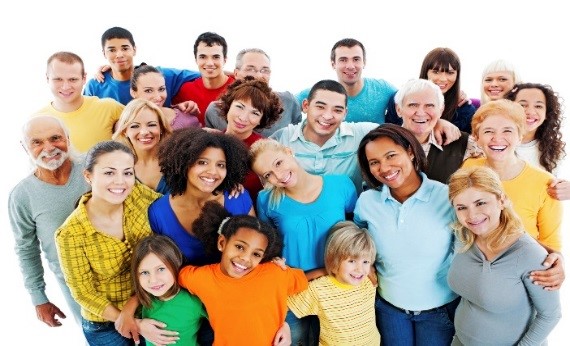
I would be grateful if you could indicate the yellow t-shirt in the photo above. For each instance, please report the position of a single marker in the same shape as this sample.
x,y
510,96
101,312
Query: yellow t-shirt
x,y
90,124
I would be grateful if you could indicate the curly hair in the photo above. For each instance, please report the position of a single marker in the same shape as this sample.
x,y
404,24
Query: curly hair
x,y
258,93
215,220
548,134
183,147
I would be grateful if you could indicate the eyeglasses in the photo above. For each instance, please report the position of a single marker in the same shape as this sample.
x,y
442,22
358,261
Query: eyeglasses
x,y
253,70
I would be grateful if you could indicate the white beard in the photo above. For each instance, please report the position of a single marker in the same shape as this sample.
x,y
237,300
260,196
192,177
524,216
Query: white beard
x,y
52,165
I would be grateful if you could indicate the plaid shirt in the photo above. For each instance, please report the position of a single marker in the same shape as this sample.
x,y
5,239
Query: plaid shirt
x,y
97,266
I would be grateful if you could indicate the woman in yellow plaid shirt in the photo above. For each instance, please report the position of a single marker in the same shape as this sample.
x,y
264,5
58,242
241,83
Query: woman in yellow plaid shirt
x,y
96,241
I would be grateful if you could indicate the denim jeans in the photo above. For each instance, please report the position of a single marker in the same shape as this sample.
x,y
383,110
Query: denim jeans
x,y
431,328
304,331
103,334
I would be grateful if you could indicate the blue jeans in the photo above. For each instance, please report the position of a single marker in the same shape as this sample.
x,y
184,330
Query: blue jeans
x,y
103,334
304,331
430,328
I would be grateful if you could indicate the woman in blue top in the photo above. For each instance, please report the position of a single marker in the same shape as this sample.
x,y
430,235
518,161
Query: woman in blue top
x,y
409,217
198,166
303,207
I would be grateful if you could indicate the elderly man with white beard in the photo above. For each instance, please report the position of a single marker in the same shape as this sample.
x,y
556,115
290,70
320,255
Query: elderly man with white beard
x,y
39,204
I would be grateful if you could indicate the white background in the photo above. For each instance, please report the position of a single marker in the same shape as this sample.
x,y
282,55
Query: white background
x,y
298,35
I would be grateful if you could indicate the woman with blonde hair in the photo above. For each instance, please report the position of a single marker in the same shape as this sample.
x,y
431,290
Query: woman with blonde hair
x,y
303,207
142,126
498,127
512,310
498,78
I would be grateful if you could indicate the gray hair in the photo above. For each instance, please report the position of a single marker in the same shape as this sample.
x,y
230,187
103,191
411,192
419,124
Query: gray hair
x,y
239,56
417,85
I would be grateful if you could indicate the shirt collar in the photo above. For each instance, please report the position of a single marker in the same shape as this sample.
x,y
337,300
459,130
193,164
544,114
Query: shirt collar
x,y
342,131
421,194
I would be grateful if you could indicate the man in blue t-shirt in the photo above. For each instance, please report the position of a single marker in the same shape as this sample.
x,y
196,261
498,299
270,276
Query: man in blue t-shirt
x,y
119,49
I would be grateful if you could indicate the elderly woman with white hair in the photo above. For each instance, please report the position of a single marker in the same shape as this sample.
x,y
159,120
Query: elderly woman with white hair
x,y
420,104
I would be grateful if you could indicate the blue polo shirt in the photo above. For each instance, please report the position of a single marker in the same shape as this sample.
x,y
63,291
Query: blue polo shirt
x,y
414,243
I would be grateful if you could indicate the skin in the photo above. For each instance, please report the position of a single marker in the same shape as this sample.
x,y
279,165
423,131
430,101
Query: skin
x,y
152,87
242,252
480,211
420,112
211,61
47,146
534,104
243,118
278,167
353,270
497,84
444,80
120,54
144,133
155,277
325,113
208,172
256,65
66,83
392,165
498,136
112,179
348,65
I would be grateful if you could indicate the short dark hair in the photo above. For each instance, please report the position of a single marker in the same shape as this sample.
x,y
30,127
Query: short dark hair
x,y
181,150
117,32
330,85
260,95
215,220
347,42
211,39
399,135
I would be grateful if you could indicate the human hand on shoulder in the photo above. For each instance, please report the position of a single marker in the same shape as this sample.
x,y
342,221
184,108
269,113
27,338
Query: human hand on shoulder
x,y
188,107
445,128
559,189
99,73
552,277
280,262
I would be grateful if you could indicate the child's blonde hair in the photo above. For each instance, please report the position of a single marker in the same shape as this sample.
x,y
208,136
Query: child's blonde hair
x,y
346,240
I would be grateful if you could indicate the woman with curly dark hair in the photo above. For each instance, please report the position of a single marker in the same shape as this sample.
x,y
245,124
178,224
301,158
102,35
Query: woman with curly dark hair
x,y
249,105
198,167
542,143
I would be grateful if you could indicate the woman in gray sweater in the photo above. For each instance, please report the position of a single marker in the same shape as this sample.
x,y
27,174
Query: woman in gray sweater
x,y
499,303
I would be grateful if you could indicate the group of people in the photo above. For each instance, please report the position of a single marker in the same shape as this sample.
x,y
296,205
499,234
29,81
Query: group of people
x,y
205,208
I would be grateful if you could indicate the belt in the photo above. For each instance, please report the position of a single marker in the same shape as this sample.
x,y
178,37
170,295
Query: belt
x,y
417,312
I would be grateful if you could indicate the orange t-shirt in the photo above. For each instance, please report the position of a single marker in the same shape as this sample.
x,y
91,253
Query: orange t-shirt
x,y
245,311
